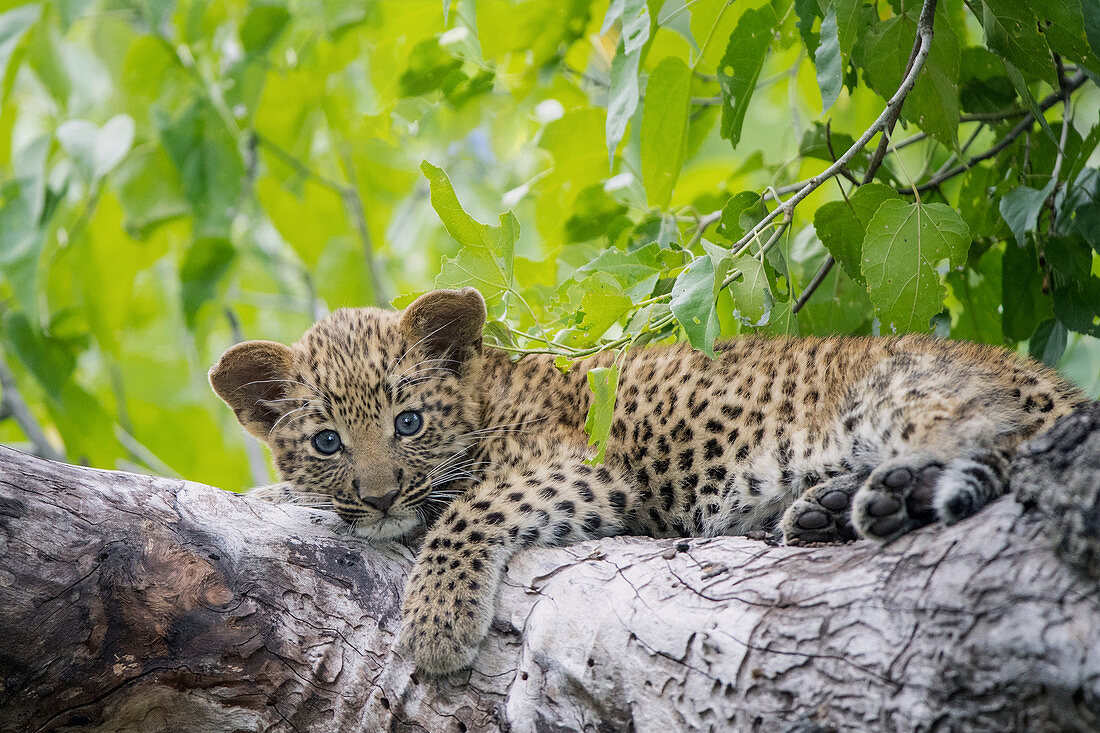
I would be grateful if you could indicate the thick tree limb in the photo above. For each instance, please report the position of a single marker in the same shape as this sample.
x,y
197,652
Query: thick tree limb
x,y
132,603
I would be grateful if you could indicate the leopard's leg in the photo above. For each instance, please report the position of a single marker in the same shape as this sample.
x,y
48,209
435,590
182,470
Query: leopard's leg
x,y
913,490
451,593
823,512
938,437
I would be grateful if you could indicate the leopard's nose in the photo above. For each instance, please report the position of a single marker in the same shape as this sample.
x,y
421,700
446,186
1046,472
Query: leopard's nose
x,y
381,503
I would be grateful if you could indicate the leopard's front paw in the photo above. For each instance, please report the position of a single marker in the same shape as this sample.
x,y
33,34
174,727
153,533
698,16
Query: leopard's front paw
x,y
897,498
822,513
443,629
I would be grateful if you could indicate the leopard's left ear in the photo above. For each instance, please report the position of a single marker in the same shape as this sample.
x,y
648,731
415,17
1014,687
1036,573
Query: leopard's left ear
x,y
448,322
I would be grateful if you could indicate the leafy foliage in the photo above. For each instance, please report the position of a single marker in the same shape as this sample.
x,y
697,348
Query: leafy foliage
x,y
179,175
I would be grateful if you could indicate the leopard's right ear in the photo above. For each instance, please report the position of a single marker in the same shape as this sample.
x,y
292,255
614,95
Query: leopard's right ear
x,y
247,377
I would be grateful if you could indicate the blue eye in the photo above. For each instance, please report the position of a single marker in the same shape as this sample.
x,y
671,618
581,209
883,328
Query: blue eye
x,y
408,423
327,442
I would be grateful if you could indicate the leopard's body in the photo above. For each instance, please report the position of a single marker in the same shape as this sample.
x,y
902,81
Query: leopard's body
x,y
822,438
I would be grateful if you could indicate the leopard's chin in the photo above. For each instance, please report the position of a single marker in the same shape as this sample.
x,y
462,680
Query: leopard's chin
x,y
385,528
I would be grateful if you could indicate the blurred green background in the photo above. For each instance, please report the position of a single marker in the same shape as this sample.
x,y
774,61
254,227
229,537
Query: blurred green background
x,y
178,175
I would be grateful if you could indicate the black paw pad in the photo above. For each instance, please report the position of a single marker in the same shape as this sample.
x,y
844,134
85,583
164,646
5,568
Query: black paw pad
x,y
886,526
812,520
898,478
929,474
882,506
919,501
835,500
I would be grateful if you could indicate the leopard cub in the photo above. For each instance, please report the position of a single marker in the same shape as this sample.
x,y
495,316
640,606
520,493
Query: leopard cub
x,y
404,422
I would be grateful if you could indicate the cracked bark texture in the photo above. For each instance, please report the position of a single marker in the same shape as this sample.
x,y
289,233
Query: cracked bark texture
x,y
133,603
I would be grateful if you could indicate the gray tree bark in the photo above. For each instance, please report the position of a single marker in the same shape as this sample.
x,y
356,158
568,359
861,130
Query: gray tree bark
x,y
133,603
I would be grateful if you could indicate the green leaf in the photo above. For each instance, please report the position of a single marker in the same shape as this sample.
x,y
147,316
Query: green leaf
x,y
1022,89
983,85
752,300
740,214
21,243
808,11
149,190
740,66
664,128
1076,291
97,150
1020,208
904,245
602,304
623,95
636,271
693,301
262,26
676,15
1023,303
209,165
842,225
848,21
428,66
1069,256
603,383
1091,16
13,25
486,258
1012,32
933,103
1062,23
827,59
593,212
49,359
201,272
1048,343
976,291
1087,221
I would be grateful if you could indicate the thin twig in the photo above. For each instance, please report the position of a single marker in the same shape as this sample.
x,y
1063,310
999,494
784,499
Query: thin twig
x,y
822,273
1021,127
886,121
924,33
12,402
354,203
301,168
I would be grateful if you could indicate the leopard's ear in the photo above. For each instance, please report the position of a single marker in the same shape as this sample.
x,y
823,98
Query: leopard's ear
x,y
247,377
447,322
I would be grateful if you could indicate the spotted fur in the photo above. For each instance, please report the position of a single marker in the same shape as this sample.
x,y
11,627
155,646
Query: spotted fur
x,y
823,438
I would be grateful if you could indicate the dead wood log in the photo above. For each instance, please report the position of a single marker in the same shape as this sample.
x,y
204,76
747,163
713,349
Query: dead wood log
x,y
134,603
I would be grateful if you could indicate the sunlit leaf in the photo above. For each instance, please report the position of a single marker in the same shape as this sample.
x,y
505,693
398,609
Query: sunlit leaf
x,y
664,128
603,383
485,260
693,301
904,245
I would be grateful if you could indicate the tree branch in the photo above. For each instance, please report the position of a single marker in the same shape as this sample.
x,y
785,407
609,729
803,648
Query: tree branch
x,y
889,114
353,204
815,283
11,402
135,602
1021,127
922,44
